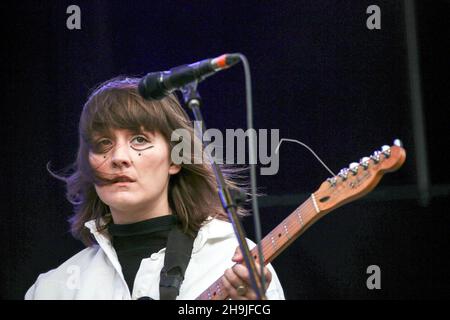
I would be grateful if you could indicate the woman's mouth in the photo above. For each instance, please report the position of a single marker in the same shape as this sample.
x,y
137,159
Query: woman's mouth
x,y
122,180
122,183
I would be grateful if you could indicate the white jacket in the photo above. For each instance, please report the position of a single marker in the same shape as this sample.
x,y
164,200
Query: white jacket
x,y
95,272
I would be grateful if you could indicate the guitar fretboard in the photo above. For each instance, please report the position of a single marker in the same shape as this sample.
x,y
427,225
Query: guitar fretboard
x,y
274,243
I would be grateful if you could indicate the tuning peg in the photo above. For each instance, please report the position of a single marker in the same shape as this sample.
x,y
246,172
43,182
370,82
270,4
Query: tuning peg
x,y
398,143
343,174
364,162
332,181
386,150
354,167
376,156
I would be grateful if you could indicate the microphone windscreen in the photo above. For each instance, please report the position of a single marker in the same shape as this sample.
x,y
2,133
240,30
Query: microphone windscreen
x,y
150,87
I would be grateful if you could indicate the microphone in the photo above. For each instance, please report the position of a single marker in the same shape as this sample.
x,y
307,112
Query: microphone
x,y
157,85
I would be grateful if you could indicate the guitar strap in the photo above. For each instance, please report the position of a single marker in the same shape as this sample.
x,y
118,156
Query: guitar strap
x,y
176,259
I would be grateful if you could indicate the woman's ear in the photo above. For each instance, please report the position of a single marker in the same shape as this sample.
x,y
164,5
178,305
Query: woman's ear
x,y
174,168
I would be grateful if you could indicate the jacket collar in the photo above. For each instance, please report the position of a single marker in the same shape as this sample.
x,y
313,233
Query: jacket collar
x,y
104,241
212,229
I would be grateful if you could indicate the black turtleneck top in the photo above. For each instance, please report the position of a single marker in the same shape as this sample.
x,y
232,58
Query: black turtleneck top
x,y
136,241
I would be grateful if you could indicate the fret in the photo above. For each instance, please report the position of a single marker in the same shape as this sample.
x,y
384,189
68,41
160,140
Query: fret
x,y
300,218
219,289
274,241
313,197
286,231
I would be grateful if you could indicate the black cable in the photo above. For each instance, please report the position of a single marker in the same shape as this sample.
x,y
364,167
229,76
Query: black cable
x,y
252,161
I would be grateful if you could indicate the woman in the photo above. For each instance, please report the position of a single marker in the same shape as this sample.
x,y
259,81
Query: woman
x,y
131,201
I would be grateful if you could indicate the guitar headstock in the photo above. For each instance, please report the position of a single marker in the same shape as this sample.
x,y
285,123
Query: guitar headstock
x,y
359,178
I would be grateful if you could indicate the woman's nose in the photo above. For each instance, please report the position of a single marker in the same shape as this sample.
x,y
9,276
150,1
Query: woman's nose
x,y
120,157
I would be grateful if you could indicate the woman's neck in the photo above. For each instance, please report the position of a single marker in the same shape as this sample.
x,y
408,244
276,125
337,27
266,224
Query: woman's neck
x,y
132,215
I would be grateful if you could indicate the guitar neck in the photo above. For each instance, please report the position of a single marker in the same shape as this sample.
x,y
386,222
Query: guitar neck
x,y
275,242
350,184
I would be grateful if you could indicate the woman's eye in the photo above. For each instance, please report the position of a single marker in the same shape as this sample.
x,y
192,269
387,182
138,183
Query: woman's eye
x,y
140,143
140,140
102,145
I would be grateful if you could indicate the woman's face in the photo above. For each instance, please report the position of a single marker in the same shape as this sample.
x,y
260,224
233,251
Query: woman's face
x,y
139,165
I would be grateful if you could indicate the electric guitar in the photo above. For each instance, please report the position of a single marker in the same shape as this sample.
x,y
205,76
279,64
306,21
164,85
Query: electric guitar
x,y
350,184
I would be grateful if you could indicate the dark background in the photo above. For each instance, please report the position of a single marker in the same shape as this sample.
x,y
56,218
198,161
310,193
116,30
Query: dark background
x,y
319,76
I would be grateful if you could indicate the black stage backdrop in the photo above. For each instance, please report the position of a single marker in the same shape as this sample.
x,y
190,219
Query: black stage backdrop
x,y
319,76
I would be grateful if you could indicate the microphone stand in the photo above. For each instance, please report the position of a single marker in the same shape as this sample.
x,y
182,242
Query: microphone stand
x,y
229,198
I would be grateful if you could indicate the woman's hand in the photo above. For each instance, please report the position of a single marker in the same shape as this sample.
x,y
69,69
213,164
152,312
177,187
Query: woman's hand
x,y
237,279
